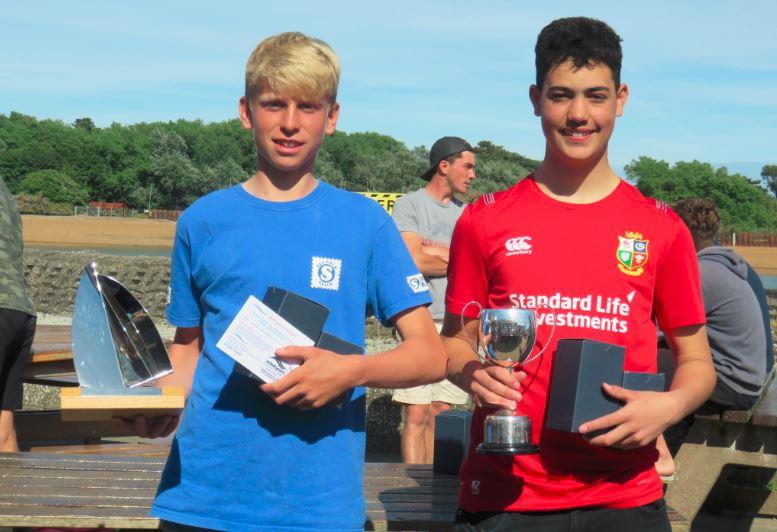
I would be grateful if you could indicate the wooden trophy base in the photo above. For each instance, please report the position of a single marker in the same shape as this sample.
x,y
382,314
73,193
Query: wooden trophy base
x,y
76,406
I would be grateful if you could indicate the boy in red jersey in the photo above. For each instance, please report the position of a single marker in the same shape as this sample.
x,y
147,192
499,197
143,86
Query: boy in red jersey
x,y
607,261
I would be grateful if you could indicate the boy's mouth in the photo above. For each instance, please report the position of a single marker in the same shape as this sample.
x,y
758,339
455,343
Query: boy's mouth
x,y
287,146
577,134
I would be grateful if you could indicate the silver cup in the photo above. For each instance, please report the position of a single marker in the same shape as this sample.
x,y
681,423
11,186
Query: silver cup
x,y
507,337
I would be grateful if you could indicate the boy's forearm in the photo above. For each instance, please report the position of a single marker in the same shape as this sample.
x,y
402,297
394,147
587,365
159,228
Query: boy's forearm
x,y
692,384
413,362
462,362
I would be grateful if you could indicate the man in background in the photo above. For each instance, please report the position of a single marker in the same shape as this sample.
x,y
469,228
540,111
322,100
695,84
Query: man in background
x,y
425,219
17,318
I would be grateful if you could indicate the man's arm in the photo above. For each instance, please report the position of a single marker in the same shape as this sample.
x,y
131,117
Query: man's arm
x,y
184,353
430,264
645,415
491,385
324,375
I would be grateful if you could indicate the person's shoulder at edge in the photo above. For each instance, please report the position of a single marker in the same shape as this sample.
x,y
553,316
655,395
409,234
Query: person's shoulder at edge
x,y
204,205
356,204
651,206
484,204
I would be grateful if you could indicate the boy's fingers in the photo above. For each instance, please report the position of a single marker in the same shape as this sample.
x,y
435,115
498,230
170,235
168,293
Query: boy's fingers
x,y
604,422
622,394
297,353
141,427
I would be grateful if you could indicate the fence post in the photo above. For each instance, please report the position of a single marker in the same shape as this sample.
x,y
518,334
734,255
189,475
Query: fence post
x,y
733,240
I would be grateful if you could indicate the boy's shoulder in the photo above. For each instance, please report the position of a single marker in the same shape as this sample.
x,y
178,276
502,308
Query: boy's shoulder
x,y
648,206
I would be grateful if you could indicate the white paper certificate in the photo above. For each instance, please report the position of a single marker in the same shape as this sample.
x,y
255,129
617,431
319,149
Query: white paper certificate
x,y
254,335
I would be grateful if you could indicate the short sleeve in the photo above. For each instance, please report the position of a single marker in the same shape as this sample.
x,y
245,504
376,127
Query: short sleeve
x,y
467,280
405,215
678,297
183,309
394,283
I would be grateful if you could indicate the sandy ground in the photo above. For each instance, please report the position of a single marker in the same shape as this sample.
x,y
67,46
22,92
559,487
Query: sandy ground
x,y
90,230
100,231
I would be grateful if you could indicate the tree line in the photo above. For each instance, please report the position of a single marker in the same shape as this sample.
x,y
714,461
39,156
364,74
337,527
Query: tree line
x,y
167,165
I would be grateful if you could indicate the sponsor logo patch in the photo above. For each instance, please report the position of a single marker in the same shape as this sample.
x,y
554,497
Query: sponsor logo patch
x,y
417,283
520,245
632,253
325,273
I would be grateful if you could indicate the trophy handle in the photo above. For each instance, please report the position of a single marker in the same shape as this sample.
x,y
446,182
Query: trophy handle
x,y
461,318
552,332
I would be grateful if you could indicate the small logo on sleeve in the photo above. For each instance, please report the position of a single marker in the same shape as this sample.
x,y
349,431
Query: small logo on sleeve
x,y
325,273
417,283
475,487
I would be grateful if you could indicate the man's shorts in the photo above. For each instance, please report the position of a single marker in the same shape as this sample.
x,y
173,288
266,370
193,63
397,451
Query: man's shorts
x,y
444,391
16,332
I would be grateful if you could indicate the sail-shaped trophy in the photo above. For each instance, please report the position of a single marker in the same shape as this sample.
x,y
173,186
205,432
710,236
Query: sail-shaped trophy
x,y
117,353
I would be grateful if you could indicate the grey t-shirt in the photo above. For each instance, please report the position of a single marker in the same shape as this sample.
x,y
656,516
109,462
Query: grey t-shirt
x,y
13,287
432,220
735,327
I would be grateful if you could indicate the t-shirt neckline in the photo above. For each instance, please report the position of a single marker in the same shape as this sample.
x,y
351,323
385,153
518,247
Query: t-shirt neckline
x,y
309,199
553,202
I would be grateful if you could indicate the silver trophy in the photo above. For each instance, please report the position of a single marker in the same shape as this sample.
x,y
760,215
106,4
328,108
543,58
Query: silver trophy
x,y
117,353
507,337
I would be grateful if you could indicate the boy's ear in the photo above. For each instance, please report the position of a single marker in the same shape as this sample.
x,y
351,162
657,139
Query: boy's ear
x,y
620,98
535,93
331,119
244,111
443,167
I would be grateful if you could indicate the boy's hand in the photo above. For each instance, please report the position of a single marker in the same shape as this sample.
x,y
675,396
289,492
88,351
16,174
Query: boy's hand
x,y
321,377
643,417
147,427
494,386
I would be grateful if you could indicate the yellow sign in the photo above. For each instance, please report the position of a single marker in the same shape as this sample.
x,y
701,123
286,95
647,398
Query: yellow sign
x,y
386,199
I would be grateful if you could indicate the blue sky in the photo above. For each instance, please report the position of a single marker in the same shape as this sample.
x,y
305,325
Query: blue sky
x,y
703,75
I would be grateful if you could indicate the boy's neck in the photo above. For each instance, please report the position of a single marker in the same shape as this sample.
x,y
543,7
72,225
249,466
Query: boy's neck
x,y
439,189
280,186
583,183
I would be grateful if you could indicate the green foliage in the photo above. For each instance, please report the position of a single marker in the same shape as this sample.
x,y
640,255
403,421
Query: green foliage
x,y
28,204
741,203
55,186
769,173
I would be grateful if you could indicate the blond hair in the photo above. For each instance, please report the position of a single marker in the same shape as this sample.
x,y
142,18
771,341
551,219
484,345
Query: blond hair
x,y
294,64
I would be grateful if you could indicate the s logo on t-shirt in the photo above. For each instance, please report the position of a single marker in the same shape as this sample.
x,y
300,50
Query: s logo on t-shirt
x,y
325,273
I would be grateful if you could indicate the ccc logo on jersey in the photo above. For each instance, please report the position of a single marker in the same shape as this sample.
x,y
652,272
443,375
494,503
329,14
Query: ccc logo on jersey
x,y
520,245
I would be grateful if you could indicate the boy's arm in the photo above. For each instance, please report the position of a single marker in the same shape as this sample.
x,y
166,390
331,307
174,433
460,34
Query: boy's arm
x,y
429,264
184,353
646,415
489,385
325,376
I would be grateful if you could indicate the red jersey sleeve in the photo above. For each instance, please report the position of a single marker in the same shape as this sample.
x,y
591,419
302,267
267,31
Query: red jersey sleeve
x,y
678,300
467,280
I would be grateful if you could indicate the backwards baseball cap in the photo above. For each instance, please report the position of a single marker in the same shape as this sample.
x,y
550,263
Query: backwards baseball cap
x,y
443,148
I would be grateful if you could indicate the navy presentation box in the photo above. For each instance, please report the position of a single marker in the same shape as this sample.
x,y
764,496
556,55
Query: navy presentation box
x,y
306,315
451,440
580,367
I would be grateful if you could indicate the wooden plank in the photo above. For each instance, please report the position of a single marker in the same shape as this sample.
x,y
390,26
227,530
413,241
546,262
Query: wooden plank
x,y
77,406
766,411
43,425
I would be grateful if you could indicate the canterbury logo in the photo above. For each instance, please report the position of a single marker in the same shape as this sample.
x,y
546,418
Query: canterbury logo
x,y
520,245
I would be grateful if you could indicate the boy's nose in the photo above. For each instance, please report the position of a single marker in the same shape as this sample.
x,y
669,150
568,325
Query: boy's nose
x,y
578,111
290,121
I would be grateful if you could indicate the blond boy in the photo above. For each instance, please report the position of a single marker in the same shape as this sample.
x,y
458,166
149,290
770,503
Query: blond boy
x,y
284,455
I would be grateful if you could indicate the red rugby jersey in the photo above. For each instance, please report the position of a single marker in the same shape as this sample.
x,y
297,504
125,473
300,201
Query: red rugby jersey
x,y
607,269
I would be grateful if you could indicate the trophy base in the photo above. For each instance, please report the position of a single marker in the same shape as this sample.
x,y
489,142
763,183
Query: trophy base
x,y
507,449
77,404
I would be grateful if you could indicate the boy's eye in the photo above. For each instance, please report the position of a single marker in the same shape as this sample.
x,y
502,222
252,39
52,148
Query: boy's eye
x,y
307,106
272,104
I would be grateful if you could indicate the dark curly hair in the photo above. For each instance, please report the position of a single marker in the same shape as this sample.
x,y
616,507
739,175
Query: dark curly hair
x,y
584,41
701,217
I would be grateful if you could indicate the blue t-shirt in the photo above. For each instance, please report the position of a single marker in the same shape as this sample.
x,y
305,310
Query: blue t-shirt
x,y
239,461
